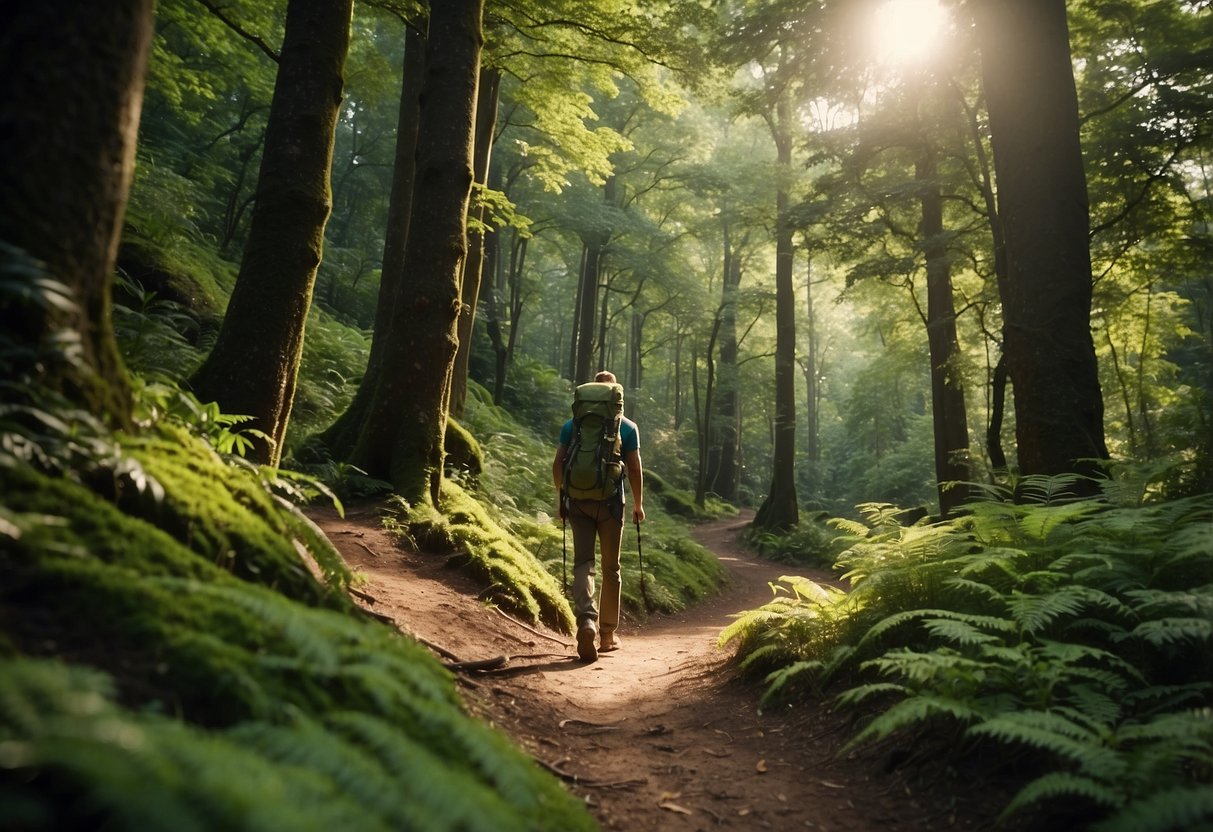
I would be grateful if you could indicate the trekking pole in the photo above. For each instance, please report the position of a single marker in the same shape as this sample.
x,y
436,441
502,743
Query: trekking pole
x,y
564,556
640,555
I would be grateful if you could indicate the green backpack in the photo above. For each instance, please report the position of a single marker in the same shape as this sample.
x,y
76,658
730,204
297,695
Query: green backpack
x,y
593,465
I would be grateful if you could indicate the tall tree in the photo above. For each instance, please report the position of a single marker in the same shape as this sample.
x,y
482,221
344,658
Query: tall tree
x,y
780,510
342,435
1042,202
253,367
402,437
71,92
473,268
948,414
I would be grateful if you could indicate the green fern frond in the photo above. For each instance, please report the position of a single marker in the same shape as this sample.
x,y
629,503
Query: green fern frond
x,y
762,654
1062,785
779,679
1052,732
856,695
1168,632
910,712
1036,613
958,632
1180,809
1164,699
850,527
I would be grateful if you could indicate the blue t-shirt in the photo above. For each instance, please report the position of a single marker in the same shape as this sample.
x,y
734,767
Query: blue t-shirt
x,y
629,435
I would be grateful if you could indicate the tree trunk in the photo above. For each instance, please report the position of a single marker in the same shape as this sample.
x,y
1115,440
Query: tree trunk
x,y
254,364
812,373
1042,201
342,435
587,295
71,92
705,423
486,122
780,510
724,479
402,440
948,414
494,305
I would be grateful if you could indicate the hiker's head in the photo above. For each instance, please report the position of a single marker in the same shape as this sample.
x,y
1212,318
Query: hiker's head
x,y
606,376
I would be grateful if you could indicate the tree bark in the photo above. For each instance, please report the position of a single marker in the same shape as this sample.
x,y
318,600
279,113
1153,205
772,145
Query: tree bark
x,y
342,435
254,365
71,92
1042,201
722,478
948,414
402,439
780,510
486,122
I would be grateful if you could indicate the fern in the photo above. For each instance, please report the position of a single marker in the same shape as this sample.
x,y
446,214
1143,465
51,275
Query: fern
x,y
1061,785
1181,809
912,712
1054,733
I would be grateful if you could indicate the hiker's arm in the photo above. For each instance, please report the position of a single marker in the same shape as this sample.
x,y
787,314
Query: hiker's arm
x,y
636,484
558,478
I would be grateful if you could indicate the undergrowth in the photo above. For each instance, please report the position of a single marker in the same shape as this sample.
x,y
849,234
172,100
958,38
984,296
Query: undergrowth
x,y
1077,635
177,650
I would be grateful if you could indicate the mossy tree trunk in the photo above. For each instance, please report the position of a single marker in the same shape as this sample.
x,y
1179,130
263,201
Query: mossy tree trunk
x,y
342,435
402,437
253,367
71,91
473,269
1042,202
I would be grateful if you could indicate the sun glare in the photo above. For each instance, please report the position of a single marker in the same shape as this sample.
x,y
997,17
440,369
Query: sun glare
x,y
908,31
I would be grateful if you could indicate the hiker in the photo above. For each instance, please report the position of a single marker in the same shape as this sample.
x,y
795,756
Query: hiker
x,y
601,513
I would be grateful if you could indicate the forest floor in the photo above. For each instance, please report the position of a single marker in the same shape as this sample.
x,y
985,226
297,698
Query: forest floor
x,y
662,734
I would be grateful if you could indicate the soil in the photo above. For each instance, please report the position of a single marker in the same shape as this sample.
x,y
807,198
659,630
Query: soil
x,y
662,734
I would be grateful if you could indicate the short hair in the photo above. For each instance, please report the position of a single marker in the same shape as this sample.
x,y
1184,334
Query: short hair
x,y
605,375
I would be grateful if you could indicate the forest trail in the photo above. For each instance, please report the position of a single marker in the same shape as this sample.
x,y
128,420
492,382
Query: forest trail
x,y
659,735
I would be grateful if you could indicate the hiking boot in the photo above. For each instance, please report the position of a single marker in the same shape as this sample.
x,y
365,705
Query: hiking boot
x,y
586,634
609,642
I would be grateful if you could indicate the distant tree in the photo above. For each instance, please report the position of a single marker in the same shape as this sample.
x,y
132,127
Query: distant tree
x,y
253,367
71,92
1042,201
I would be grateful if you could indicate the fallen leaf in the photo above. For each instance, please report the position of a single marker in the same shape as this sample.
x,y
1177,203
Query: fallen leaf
x,y
832,785
674,807
761,767
743,812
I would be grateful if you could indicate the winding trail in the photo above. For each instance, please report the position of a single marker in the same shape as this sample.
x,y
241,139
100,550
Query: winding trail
x,y
659,735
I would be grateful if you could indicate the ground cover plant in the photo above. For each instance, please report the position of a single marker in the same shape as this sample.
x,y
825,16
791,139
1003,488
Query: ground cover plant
x,y
177,649
1075,636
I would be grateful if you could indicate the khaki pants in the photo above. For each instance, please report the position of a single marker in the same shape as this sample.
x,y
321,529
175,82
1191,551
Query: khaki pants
x,y
601,519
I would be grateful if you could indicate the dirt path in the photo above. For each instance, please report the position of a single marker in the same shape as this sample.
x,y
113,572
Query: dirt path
x,y
659,735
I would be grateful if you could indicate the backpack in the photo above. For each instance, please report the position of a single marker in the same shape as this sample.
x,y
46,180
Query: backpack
x,y
593,465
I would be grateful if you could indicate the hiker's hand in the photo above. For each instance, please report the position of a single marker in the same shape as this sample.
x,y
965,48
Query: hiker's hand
x,y
637,513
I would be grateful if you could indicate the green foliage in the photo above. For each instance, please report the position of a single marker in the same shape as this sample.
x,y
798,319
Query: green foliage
x,y
513,577
1078,634
811,542
179,653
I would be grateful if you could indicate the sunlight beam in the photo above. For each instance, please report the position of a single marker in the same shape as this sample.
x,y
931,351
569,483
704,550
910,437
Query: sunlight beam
x,y
907,32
